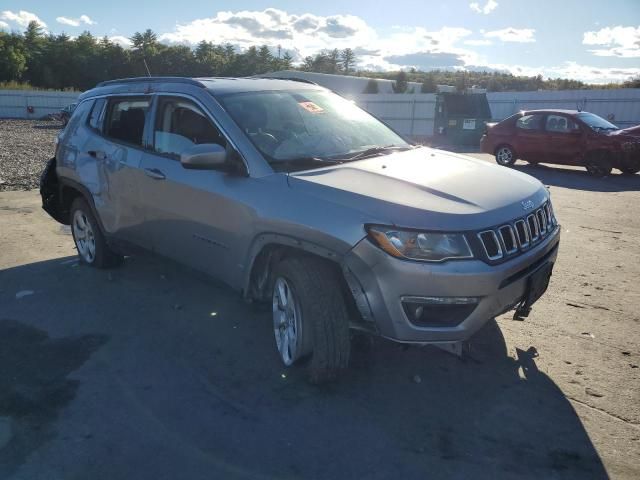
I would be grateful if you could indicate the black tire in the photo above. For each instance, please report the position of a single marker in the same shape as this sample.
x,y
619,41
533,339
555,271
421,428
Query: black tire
x,y
598,165
505,155
629,170
103,257
325,318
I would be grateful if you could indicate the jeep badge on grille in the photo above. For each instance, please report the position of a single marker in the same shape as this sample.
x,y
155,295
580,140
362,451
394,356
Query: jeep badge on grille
x,y
527,204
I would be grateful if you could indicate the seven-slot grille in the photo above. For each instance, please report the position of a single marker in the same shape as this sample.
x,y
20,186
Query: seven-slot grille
x,y
518,235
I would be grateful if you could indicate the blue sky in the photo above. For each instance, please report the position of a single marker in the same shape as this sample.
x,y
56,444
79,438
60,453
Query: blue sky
x,y
594,41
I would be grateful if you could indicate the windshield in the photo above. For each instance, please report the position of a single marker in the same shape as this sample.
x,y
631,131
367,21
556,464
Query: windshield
x,y
292,127
596,122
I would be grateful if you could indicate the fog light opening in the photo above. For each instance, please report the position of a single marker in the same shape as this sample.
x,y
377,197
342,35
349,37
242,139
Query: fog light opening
x,y
438,311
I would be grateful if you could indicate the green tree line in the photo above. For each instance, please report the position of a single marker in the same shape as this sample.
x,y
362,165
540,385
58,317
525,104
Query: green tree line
x,y
60,62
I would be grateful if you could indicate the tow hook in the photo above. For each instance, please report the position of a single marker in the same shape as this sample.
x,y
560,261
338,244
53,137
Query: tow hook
x,y
522,311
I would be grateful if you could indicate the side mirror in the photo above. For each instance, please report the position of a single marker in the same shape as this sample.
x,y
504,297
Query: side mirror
x,y
206,156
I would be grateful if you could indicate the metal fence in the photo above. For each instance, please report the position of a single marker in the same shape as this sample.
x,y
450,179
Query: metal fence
x,y
413,114
410,114
33,104
620,106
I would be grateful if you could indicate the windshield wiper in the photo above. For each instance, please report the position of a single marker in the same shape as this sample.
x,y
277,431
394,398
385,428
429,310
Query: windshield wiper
x,y
299,162
370,152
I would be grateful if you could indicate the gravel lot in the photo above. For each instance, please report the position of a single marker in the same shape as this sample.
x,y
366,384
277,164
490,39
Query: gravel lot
x,y
151,372
25,147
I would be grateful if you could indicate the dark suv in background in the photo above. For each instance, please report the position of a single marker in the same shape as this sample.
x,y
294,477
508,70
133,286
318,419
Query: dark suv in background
x,y
565,137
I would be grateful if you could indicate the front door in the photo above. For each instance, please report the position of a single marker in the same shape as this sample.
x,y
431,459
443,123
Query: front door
x,y
565,139
193,216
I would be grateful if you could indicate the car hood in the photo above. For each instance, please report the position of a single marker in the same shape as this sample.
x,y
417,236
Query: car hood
x,y
629,132
425,188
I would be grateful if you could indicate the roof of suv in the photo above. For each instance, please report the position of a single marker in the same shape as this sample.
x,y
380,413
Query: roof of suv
x,y
219,85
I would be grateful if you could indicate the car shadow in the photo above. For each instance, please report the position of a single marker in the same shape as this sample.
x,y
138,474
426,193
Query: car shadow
x,y
580,179
189,385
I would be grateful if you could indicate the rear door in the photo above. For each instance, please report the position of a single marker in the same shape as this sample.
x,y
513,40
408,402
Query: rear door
x,y
531,138
120,153
193,216
565,139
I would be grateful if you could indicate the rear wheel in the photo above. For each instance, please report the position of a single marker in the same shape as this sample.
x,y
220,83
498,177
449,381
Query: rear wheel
x,y
310,316
90,242
598,165
505,155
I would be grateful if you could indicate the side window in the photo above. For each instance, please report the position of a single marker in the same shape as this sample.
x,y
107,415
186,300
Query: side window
x,y
562,124
96,115
530,122
126,118
179,125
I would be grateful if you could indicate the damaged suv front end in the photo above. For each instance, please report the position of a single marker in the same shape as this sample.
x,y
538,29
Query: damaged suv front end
x,y
452,243
446,302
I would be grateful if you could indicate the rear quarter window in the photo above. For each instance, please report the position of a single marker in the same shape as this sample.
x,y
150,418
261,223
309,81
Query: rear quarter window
x,y
97,114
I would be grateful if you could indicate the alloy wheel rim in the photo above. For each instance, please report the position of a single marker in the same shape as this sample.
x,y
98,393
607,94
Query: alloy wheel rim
x,y
287,321
505,155
84,236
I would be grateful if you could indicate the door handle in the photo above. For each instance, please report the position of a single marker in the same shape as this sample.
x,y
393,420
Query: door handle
x,y
154,173
98,154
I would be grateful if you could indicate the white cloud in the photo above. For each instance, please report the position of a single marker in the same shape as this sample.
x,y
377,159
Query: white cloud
x,y
75,22
510,34
488,7
22,18
68,21
120,40
87,20
478,43
4,25
301,33
619,41
591,74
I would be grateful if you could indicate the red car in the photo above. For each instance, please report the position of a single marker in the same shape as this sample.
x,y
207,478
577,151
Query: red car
x,y
565,137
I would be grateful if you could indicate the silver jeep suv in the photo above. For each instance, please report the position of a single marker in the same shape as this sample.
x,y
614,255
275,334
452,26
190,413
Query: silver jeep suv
x,y
295,196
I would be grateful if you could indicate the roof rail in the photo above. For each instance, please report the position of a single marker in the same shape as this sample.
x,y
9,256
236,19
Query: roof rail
x,y
189,81
293,79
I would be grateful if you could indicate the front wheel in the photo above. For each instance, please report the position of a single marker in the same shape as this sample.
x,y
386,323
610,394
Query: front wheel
x,y
598,165
629,170
505,156
310,316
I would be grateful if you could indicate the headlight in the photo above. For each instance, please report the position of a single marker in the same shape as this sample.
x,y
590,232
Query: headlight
x,y
424,246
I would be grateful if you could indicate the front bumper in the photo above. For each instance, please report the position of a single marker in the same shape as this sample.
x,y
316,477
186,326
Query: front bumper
x,y
384,281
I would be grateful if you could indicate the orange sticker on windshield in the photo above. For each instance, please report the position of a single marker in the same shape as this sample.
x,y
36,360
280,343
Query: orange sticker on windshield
x,y
311,107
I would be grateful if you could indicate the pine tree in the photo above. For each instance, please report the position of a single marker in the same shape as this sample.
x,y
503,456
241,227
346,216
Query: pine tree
x,y
428,85
401,84
348,59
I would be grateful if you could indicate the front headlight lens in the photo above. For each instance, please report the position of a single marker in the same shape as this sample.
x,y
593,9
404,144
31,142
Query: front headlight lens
x,y
425,246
